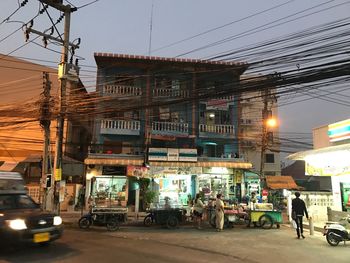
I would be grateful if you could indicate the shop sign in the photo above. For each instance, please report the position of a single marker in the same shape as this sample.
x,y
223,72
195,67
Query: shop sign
x,y
188,155
137,171
328,164
173,155
58,174
339,131
158,154
217,170
219,103
238,178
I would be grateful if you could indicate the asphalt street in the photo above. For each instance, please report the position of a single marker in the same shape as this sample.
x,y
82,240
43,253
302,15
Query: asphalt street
x,y
186,244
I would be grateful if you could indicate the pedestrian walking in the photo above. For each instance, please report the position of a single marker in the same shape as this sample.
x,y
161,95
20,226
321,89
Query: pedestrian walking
x,y
219,213
298,211
198,208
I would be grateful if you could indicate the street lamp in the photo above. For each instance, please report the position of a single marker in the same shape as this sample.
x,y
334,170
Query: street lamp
x,y
268,123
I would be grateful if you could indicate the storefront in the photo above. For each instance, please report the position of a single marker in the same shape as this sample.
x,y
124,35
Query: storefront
x,y
331,159
174,185
175,177
108,186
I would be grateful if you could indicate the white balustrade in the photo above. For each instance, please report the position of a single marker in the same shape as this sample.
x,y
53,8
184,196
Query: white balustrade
x,y
120,127
170,93
171,127
218,129
122,90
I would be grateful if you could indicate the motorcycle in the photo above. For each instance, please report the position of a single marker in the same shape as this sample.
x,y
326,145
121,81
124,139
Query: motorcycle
x,y
336,232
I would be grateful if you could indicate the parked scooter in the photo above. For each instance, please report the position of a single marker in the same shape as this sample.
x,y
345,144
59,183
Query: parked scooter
x,y
336,232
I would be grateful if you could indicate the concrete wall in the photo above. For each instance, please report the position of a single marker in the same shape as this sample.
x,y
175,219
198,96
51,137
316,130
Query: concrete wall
x,y
316,204
320,137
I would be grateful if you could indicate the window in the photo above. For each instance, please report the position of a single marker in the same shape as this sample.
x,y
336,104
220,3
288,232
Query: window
x,y
25,202
270,158
7,202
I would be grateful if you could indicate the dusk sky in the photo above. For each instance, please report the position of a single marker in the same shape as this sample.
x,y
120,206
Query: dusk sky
x,y
118,26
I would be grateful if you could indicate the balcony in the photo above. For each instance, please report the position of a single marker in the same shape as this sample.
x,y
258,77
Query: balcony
x,y
170,128
170,93
120,127
216,131
122,90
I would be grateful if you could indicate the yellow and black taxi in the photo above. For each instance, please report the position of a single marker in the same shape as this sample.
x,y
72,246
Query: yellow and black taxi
x,y
21,219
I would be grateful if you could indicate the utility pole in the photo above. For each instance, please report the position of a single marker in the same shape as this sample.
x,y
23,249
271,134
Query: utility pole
x,y
63,72
265,96
45,124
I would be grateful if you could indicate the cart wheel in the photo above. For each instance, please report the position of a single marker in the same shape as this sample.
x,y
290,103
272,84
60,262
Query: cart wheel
x,y
112,224
266,221
172,222
84,223
148,221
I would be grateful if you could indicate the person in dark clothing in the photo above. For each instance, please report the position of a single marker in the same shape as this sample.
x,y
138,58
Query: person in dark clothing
x,y
298,211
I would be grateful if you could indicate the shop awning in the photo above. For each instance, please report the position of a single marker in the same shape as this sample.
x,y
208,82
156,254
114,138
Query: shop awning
x,y
130,160
203,164
8,166
302,155
281,182
109,161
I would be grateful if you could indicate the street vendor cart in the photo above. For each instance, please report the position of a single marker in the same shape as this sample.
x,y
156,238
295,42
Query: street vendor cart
x,y
170,217
110,217
264,216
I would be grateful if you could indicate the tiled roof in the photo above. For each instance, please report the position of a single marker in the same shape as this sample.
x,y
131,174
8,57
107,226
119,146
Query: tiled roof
x,y
281,182
165,59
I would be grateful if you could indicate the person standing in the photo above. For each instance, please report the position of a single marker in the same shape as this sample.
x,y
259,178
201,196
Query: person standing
x,y
219,209
298,211
198,208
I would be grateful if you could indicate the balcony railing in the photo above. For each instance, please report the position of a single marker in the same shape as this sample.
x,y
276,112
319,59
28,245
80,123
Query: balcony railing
x,y
170,93
169,128
122,90
120,127
218,130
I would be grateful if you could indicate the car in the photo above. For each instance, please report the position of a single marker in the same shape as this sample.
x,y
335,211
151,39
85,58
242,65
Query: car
x,y
21,219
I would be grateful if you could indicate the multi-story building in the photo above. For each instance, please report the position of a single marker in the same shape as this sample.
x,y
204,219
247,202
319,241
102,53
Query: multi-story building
x,y
177,116
250,128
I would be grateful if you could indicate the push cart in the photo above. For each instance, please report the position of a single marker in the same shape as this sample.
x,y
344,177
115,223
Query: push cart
x,y
264,218
171,218
110,217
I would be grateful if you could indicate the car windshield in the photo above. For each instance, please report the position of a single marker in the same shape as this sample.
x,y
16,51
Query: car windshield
x,y
8,202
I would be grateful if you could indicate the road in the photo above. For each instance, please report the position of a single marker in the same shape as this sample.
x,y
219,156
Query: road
x,y
138,244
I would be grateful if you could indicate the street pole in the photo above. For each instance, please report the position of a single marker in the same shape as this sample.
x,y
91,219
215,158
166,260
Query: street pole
x,y
58,164
263,139
63,75
45,124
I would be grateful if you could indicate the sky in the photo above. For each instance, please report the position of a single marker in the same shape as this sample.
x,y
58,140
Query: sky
x,y
123,26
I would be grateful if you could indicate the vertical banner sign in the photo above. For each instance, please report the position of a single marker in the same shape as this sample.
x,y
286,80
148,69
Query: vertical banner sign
x,y
58,174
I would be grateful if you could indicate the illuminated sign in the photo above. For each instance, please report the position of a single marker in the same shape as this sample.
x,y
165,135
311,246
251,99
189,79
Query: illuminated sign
x,y
339,131
172,154
335,163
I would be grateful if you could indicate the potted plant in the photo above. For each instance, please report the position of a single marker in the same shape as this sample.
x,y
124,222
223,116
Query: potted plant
x,y
150,197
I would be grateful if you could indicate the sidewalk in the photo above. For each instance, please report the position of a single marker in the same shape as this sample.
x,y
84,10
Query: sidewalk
x,y
72,218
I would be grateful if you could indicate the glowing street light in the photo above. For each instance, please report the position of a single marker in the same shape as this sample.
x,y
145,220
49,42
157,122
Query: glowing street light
x,y
271,122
